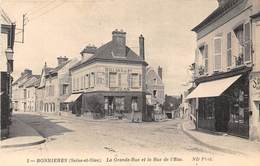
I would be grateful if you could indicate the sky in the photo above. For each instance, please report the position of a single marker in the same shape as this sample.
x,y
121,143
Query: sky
x,y
64,27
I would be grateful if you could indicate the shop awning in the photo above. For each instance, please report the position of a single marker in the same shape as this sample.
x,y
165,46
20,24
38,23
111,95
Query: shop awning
x,y
212,88
72,98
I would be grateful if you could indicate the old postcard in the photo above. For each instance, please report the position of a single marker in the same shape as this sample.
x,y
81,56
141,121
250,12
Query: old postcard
x,y
130,82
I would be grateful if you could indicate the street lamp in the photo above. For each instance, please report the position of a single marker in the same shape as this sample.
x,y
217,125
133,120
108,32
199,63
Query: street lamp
x,y
9,56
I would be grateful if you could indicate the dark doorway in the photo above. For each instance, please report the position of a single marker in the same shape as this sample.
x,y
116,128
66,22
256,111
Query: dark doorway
x,y
222,114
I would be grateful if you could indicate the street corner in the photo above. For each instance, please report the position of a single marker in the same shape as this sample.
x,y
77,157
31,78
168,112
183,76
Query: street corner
x,y
21,135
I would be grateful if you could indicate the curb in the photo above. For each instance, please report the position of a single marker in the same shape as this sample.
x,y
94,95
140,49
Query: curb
x,y
39,141
216,148
24,145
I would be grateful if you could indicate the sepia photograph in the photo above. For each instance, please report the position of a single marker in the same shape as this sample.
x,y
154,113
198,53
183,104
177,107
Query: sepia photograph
x,y
130,82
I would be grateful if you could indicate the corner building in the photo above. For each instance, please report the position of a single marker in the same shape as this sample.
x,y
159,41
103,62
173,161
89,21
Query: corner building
x,y
110,80
226,97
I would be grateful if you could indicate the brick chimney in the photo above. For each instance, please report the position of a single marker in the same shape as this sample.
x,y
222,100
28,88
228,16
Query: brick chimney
x,y
223,2
61,60
160,71
141,47
88,51
26,72
119,43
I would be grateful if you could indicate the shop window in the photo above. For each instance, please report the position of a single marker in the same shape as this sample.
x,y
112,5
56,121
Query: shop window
x,y
120,103
217,53
134,80
106,103
112,80
207,108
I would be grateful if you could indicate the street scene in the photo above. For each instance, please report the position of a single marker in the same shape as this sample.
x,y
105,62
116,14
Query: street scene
x,y
150,82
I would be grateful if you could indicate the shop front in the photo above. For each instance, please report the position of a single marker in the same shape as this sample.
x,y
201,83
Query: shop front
x,y
119,105
223,103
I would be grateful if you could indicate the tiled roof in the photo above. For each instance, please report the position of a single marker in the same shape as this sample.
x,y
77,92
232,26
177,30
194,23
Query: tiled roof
x,y
106,53
34,83
216,13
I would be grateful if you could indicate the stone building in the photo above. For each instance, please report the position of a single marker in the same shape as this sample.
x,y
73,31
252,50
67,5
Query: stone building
x,y
54,86
23,95
226,70
7,36
110,80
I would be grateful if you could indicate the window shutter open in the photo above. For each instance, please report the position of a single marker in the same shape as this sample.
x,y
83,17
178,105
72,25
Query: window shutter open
x,y
247,42
217,54
206,58
140,80
229,52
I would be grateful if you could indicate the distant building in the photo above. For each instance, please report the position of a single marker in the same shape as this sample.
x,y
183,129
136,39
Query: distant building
x,y
110,80
54,86
23,94
226,95
155,88
7,36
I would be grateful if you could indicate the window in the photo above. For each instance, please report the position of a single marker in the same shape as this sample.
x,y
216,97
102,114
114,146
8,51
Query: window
x,y
64,89
259,112
239,31
134,80
100,78
202,59
154,93
82,83
87,82
77,83
112,80
247,42
92,80
217,53
229,52
24,93
73,84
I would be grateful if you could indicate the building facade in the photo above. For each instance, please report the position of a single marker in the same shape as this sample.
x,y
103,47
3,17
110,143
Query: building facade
x,y
54,86
110,80
226,79
155,88
23,96
7,35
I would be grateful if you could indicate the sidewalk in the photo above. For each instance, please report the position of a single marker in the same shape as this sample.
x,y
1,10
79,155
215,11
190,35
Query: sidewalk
x,y
224,143
21,135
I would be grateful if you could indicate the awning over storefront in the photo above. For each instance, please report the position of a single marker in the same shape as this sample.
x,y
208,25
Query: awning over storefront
x,y
72,98
212,88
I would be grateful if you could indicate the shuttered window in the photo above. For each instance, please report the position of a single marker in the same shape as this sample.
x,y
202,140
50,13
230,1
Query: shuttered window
x,y
217,53
247,42
206,61
112,80
229,50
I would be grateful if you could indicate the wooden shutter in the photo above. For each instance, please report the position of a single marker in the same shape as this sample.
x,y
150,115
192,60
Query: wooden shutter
x,y
217,53
140,80
247,42
119,79
107,79
206,61
229,52
129,80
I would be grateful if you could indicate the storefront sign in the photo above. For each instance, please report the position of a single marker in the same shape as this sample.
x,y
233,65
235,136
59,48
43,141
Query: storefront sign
x,y
255,85
117,69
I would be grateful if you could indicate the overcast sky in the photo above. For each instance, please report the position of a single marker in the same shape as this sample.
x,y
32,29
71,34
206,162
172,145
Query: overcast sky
x,y
65,27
